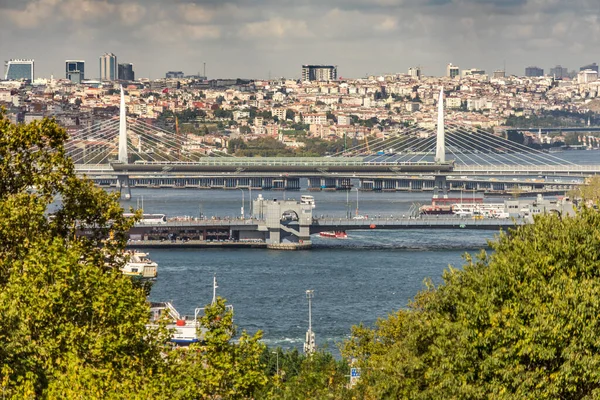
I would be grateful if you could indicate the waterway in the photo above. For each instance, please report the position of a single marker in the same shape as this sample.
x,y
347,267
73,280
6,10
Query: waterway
x,y
369,275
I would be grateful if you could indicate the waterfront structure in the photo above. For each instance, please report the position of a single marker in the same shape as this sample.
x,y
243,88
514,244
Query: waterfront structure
x,y
108,67
319,73
415,72
452,71
534,72
75,70
125,72
593,67
19,70
174,75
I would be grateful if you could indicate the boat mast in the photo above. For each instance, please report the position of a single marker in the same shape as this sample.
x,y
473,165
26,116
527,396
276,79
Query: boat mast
x,y
214,299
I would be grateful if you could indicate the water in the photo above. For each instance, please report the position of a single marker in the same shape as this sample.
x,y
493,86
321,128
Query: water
x,y
370,275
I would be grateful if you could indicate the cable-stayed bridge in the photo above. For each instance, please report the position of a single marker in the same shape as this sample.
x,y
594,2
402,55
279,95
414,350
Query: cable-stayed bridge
x,y
129,151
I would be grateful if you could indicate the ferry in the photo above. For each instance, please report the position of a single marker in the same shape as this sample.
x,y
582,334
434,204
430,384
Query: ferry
x,y
139,266
186,329
307,199
150,219
334,234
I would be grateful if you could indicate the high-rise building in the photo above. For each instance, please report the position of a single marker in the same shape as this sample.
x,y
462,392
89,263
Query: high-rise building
x,y
75,70
559,72
19,69
473,72
126,72
319,72
587,76
452,71
499,74
593,67
174,75
533,72
108,67
415,72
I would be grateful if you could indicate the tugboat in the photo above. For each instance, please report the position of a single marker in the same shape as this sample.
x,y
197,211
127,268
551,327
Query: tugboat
x,y
334,234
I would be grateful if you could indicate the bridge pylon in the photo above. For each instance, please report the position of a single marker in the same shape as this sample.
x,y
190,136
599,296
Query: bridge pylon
x,y
440,148
123,156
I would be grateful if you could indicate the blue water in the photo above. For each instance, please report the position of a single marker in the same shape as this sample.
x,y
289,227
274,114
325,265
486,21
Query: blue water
x,y
369,275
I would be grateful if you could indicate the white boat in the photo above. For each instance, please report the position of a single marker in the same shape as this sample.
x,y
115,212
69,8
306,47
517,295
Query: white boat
x,y
138,265
307,199
185,329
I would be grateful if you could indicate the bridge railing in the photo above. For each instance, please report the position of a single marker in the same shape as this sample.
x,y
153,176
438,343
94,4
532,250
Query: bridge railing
x,y
285,162
527,168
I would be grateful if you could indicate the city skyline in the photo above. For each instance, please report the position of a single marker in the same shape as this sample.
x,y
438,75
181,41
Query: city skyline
x,y
259,39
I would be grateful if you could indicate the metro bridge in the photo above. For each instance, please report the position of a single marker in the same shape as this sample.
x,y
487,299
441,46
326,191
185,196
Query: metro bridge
x,y
150,156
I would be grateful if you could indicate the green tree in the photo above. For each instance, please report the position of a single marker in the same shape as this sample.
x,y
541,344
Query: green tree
x,y
519,323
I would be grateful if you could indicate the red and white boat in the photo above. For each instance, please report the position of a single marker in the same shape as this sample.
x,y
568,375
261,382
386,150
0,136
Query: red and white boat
x,y
334,234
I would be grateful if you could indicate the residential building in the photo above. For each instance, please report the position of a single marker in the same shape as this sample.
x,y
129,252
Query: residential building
x,y
125,72
75,70
108,67
587,76
452,71
174,75
534,72
19,69
319,73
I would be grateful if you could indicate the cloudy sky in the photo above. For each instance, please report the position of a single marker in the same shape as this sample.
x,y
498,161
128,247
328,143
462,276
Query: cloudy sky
x,y
258,38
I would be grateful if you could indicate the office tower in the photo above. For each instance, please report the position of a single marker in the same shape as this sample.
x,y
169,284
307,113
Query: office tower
x,y
174,75
593,67
534,71
452,71
319,72
499,74
18,69
559,72
108,67
75,70
415,72
126,72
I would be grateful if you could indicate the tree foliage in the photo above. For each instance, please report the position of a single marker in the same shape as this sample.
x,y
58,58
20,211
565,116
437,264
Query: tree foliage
x,y
71,325
519,323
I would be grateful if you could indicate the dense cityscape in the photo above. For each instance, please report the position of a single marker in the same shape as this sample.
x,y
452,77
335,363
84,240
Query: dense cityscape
x,y
294,116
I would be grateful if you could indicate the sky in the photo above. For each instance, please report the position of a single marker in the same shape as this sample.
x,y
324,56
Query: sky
x,y
273,38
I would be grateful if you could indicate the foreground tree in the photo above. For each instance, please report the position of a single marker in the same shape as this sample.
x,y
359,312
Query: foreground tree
x,y
519,323
71,325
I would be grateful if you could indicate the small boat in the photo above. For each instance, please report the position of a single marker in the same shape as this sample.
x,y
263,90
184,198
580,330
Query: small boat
x,y
186,329
334,234
139,266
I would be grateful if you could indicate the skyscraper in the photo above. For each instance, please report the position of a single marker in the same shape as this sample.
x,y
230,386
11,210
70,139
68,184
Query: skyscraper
x,y
593,67
559,72
19,69
75,70
319,72
414,72
108,67
126,72
534,71
452,71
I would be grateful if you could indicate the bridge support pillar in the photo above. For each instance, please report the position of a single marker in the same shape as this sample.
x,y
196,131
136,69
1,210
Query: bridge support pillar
x,y
440,184
124,187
